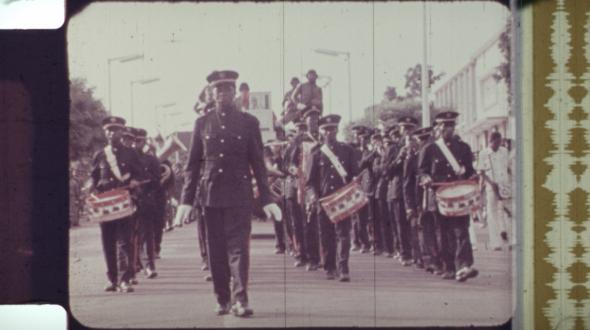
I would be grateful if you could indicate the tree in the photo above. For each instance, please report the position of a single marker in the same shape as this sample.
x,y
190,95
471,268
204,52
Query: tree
x,y
86,114
390,94
414,80
503,70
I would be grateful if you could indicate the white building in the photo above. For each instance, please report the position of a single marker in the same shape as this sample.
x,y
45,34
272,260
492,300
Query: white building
x,y
481,100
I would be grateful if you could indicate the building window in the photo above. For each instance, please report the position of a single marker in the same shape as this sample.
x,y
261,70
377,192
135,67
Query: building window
x,y
489,92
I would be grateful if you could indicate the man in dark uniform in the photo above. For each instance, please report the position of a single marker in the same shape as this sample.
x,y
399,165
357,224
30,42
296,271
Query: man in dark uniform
x,y
151,204
370,161
435,167
361,219
294,210
114,167
382,187
311,238
423,206
226,149
411,197
333,166
288,104
308,95
397,205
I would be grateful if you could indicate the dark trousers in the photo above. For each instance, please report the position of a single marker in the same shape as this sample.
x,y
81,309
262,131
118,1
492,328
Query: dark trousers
x,y
359,228
228,238
375,228
335,240
279,229
147,237
403,228
116,246
415,230
201,233
457,252
135,234
160,225
312,237
297,223
387,230
429,240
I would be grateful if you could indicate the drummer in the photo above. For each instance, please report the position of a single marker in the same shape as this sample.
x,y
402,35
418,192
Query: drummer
x,y
115,167
449,160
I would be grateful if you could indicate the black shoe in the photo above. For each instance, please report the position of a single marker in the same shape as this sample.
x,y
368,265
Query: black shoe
x,y
466,273
344,278
205,267
419,264
241,310
125,287
279,251
429,269
330,275
365,250
208,278
133,281
355,248
110,287
299,263
222,309
312,267
448,276
151,273
504,236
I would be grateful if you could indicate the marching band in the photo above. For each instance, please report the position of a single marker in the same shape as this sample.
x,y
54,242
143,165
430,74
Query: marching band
x,y
401,191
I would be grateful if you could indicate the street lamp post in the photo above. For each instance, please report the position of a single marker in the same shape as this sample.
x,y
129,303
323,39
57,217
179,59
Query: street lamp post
x,y
336,53
120,59
329,85
140,82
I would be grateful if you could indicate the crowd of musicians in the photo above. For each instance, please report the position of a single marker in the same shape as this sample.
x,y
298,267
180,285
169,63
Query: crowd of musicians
x,y
398,168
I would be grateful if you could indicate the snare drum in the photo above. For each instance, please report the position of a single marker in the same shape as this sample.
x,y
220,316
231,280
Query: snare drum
x,y
110,205
459,198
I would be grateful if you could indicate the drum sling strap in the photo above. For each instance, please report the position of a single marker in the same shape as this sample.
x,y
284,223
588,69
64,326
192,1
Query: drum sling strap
x,y
449,157
112,160
334,160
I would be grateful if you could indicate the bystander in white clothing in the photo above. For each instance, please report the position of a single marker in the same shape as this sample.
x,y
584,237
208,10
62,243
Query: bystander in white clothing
x,y
494,164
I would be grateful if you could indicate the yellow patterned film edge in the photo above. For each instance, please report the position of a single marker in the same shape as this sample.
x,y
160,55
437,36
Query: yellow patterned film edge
x,y
561,179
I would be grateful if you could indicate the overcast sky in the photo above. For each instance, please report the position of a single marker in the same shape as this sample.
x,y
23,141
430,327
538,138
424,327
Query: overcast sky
x,y
267,43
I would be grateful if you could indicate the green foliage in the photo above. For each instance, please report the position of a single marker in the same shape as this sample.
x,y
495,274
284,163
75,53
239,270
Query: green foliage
x,y
414,80
503,70
86,114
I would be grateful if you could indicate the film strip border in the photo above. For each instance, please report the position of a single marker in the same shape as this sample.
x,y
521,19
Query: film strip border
x,y
561,123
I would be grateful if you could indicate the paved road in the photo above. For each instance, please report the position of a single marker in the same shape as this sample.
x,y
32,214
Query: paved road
x,y
381,293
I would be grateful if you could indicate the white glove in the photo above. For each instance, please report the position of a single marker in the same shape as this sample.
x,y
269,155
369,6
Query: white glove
x,y
273,211
182,213
301,106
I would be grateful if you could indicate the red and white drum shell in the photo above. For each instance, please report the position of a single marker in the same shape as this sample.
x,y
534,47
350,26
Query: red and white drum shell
x,y
110,205
459,198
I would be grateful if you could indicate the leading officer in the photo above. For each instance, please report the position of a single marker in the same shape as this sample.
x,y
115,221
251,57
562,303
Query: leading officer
x,y
226,150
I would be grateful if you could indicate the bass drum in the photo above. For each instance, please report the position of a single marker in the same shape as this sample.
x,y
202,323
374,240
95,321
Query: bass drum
x,y
459,198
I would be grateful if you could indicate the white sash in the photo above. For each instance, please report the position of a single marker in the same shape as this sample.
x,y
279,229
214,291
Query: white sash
x,y
334,160
458,169
112,160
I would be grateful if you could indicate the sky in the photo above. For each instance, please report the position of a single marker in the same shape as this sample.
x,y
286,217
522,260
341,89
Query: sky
x,y
267,43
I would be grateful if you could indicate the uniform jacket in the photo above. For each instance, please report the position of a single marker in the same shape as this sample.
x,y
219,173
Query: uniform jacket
x,y
308,94
380,181
412,192
432,162
323,177
103,178
395,171
226,151
151,192
367,177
